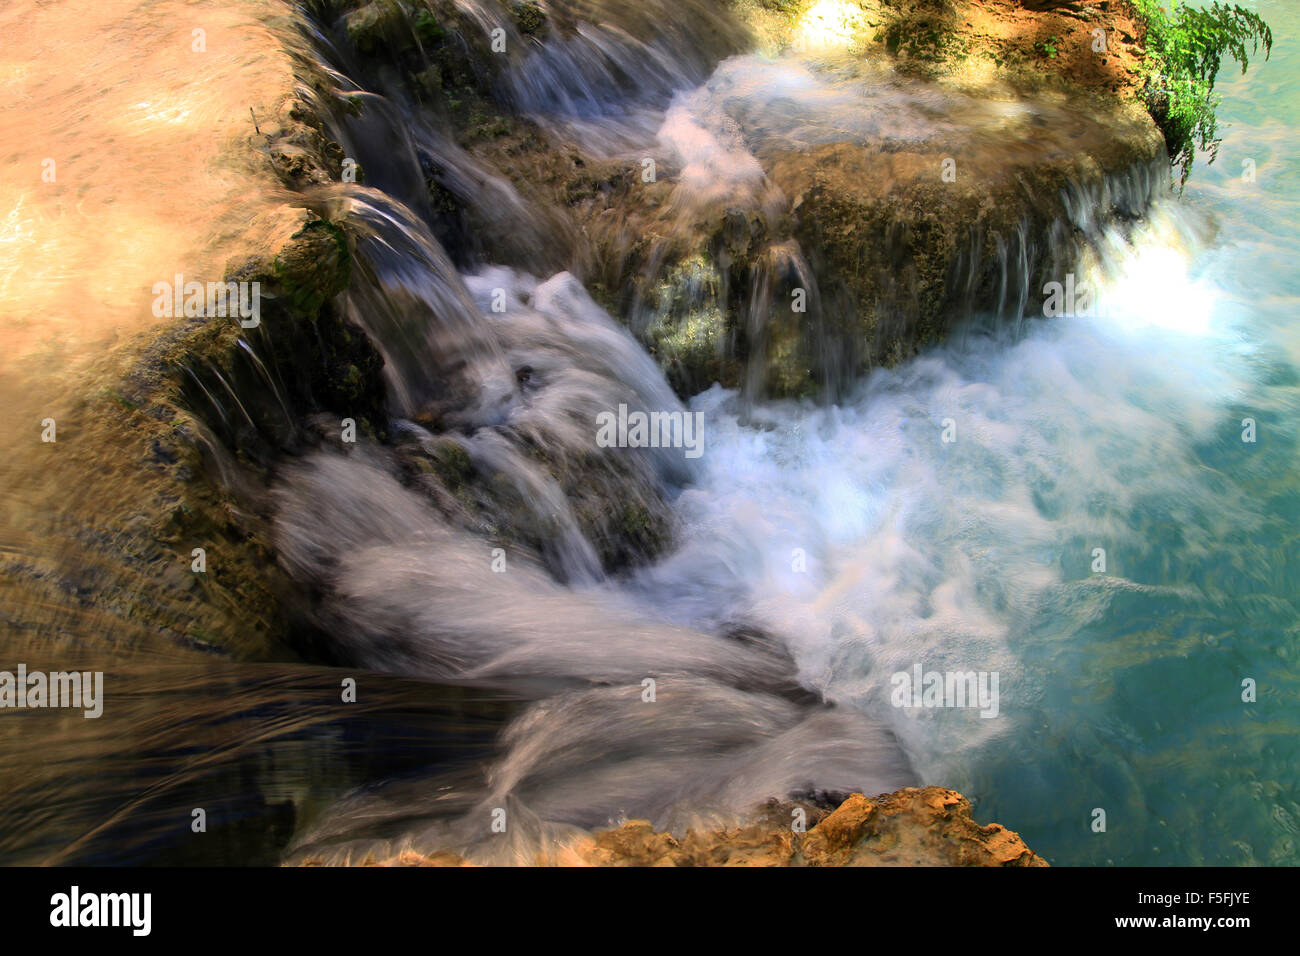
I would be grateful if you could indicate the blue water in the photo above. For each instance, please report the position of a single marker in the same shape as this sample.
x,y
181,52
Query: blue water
x,y
1143,711
870,545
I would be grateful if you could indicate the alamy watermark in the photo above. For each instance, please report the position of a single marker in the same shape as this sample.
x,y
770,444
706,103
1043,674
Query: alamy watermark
x,y
37,689
637,429
213,299
921,688
78,909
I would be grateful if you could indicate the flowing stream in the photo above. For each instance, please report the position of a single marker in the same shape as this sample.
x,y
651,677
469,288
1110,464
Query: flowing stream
x,y
949,512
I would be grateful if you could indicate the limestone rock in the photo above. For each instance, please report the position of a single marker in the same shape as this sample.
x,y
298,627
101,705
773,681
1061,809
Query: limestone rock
x,y
915,826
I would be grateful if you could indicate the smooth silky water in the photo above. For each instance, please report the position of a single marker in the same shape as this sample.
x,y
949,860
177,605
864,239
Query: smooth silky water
x,y
820,549
1123,431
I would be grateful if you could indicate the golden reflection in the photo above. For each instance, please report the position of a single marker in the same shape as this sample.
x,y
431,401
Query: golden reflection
x,y
829,24
128,149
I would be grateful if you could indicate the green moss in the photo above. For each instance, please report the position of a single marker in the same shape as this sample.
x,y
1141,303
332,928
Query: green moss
x,y
693,338
929,39
690,334
427,27
487,127
529,18
791,8
122,400
452,464
313,268
787,373
636,522
372,26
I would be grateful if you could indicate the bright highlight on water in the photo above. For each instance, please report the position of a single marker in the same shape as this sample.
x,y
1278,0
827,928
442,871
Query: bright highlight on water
x,y
708,407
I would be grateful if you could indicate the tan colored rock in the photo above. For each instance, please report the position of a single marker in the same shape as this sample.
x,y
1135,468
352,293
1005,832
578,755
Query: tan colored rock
x,y
833,841
916,826
635,843
927,826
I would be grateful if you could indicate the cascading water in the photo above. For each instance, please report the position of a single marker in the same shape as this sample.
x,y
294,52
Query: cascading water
x,y
406,591
581,634
848,542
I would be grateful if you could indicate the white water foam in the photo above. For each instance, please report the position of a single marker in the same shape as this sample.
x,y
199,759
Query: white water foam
x,y
916,550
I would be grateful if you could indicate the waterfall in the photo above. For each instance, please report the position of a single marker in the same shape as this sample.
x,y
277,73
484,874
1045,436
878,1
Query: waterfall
x,y
646,420
711,679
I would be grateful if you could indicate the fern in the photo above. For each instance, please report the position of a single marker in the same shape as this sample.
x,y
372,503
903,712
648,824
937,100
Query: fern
x,y
1186,47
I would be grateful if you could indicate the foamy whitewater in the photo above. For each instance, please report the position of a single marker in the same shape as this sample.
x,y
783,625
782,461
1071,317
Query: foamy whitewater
x,y
869,543
1067,507
1050,563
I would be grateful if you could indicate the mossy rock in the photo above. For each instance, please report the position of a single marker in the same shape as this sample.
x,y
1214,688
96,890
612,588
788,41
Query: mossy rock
x,y
313,268
451,463
303,359
427,27
379,25
529,18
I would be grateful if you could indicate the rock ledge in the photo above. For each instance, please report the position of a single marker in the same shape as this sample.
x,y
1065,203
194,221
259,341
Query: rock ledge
x,y
925,826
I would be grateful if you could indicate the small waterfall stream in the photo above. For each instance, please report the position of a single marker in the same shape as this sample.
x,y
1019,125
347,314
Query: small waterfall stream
x,y
577,634
747,703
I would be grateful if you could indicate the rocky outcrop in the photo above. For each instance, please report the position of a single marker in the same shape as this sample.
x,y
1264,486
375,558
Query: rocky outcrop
x,y
930,826
906,231
926,826
889,251
902,252
144,521
889,235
